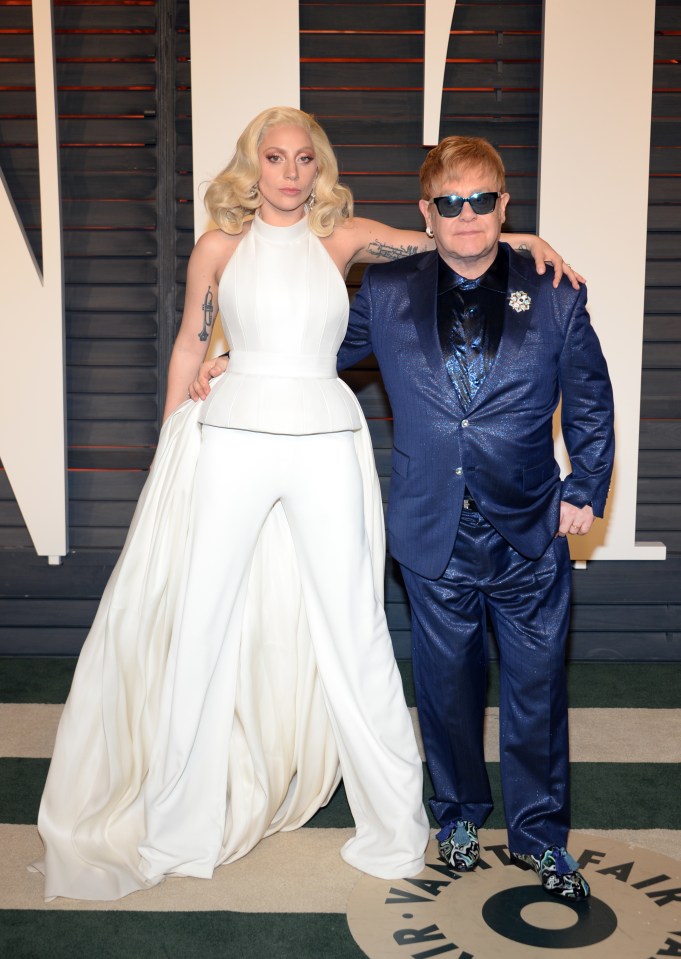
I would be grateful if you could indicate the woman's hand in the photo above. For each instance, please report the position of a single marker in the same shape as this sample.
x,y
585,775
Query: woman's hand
x,y
543,254
209,369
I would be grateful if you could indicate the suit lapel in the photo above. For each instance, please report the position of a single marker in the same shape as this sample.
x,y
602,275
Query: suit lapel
x,y
422,288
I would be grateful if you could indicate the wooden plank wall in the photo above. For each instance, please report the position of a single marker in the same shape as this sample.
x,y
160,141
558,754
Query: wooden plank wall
x,y
125,128
108,73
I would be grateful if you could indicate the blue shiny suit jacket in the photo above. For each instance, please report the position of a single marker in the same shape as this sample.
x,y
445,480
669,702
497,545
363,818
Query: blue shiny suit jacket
x,y
501,447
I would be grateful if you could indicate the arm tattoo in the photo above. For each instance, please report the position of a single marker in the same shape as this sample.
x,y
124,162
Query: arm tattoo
x,y
386,252
522,246
207,314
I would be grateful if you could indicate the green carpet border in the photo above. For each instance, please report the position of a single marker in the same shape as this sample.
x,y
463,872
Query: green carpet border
x,y
604,795
40,934
603,685
39,679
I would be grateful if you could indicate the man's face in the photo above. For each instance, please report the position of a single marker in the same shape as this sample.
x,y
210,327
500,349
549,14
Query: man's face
x,y
467,242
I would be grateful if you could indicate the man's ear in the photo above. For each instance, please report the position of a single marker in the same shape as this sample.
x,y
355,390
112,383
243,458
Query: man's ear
x,y
424,207
503,203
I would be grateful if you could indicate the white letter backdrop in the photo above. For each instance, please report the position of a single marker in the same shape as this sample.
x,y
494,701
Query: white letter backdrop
x,y
595,155
245,57
33,422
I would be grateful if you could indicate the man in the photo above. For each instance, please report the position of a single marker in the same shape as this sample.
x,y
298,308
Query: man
x,y
476,350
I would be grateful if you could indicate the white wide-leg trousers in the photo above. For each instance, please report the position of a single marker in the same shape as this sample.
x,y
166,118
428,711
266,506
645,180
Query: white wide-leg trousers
x,y
240,476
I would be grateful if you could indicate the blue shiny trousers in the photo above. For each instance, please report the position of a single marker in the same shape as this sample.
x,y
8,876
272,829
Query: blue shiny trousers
x,y
528,603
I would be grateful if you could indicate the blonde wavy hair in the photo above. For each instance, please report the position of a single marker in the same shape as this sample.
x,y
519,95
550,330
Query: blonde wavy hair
x,y
233,196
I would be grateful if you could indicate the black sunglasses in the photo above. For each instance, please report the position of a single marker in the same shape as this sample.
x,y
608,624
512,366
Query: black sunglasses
x,y
452,205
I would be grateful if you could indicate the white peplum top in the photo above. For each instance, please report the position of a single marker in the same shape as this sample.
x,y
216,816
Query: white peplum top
x,y
284,309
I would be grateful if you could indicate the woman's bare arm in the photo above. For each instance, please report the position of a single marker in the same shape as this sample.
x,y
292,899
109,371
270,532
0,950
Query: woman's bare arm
x,y
369,241
206,264
542,254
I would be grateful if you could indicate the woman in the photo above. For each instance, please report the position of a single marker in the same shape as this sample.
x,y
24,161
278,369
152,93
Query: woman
x,y
240,653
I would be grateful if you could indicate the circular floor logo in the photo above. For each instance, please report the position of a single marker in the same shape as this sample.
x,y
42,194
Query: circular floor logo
x,y
634,911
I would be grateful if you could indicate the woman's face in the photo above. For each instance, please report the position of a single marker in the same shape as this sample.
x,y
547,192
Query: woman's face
x,y
288,168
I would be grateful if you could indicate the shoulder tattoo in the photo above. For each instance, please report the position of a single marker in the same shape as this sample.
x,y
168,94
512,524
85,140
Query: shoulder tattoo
x,y
387,252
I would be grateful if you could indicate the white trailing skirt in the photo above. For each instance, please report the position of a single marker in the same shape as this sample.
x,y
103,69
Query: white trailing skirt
x,y
93,819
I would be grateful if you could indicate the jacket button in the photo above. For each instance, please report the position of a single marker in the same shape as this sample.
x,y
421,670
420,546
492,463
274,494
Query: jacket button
x,y
458,471
464,423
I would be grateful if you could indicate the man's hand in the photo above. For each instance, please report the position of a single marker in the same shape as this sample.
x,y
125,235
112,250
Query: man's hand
x,y
574,520
209,369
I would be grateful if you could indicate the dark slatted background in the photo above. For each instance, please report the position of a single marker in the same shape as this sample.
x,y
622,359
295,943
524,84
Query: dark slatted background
x,y
124,91
112,87
659,491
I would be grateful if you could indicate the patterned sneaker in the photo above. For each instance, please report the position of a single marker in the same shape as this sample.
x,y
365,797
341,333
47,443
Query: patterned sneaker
x,y
558,872
458,845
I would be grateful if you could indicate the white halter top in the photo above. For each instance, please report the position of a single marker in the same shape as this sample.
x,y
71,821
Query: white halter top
x,y
284,309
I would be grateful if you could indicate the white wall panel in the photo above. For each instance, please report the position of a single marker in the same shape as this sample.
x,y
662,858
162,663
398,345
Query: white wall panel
x,y
244,58
595,147
32,424
439,14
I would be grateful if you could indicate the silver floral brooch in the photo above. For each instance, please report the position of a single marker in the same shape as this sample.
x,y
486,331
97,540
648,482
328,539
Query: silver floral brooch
x,y
520,301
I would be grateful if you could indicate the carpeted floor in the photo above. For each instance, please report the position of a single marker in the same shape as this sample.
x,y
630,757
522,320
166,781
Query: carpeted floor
x,y
287,898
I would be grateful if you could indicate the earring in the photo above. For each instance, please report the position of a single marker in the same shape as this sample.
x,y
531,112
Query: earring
x,y
311,200
429,232
253,192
